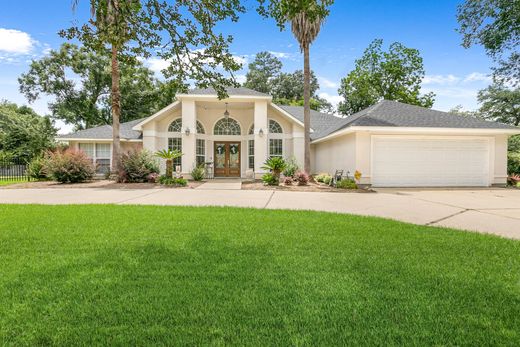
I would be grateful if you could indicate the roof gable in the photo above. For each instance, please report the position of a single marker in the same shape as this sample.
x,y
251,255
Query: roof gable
x,y
104,132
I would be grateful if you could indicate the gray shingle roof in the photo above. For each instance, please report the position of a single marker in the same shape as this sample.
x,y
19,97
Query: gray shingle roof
x,y
242,91
388,113
105,132
320,122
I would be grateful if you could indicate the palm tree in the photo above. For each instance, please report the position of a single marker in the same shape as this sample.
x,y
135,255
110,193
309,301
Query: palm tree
x,y
170,156
305,29
110,18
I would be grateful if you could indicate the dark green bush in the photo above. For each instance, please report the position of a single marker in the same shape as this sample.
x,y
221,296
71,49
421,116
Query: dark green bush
x,y
69,166
513,163
198,172
270,179
347,184
36,168
137,165
173,181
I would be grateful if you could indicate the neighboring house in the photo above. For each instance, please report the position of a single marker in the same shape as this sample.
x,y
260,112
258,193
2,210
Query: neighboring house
x,y
390,143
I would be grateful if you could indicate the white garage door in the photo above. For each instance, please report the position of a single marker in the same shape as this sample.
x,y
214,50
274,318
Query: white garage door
x,y
429,162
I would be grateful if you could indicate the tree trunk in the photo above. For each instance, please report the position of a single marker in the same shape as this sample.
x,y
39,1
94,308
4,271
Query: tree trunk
x,y
307,109
116,114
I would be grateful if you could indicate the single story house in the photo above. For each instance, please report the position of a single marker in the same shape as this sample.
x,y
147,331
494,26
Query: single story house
x,y
392,144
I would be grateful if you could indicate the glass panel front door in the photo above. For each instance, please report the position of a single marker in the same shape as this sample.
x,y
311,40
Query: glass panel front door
x,y
227,159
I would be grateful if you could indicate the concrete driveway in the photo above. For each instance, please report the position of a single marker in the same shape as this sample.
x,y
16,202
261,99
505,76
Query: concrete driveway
x,y
495,211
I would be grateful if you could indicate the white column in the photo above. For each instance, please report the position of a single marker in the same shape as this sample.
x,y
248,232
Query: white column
x,y
261,143
189,119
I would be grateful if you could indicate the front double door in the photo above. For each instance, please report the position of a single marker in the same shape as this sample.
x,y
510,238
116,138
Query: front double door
x,y
227,159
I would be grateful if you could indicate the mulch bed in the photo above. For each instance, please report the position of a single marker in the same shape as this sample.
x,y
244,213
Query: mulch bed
x,y
311,187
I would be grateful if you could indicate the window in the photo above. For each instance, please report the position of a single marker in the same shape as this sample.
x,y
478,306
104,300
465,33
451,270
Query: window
x,y
275,147
200,128
227,126
175,126
102,158
200,152
251,130
274,127
175,143
100,154
88,149
251,154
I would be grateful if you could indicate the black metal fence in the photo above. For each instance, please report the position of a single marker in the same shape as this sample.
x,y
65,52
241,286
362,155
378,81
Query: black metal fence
x,y
13,169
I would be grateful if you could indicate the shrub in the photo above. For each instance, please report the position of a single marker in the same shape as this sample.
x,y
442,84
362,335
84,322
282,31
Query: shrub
x,y
137,165
172,181
513,163
153,177
36,168
322,177
302,178
270,179
291,167
288,181
198,172
275,165
69,166
327,179
346,184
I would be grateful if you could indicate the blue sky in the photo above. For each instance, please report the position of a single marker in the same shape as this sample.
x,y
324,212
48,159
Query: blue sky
x,y
28,29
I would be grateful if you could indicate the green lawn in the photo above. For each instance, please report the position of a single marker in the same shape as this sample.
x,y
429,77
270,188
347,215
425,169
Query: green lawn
x,y
136,275
5,182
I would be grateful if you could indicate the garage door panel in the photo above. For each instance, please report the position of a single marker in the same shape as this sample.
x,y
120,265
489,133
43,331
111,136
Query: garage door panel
x,y
401,162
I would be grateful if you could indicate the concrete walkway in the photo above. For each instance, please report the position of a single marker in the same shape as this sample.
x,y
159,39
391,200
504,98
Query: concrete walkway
x,y
494,211
221,184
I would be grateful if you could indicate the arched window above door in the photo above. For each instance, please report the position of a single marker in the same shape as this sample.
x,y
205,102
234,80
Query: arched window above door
x,y
200,128
275,127
227,126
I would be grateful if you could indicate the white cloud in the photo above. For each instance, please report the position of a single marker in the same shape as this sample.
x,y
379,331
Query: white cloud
x,y
15,41
241,59
326,83
157,64
333,99
440,79
477,76
281,55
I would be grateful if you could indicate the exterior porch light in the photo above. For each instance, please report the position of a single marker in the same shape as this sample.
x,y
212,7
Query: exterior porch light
x,y
187,131
261,132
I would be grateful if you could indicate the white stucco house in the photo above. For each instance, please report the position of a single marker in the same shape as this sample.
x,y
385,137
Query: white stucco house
x,y
392,144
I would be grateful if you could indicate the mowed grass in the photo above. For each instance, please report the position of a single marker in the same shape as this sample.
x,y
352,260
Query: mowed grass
x,y
6,182
145,275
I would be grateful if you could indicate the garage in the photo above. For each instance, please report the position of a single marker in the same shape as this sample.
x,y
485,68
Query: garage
x,y
426,161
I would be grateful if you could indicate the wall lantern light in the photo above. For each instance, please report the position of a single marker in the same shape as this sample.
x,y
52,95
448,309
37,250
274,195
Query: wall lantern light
x,y
187,131
261,132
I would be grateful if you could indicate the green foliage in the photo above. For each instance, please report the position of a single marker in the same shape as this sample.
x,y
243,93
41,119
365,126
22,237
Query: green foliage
x,y
69,166
393,75
184,33
79,82
514,144
137,165
494,24
169,155
265,76
270,179
291,167
261,71
36,168
198,172
323,178
275,165
283,11
346,184
513,163
173,181
500,103
23,133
